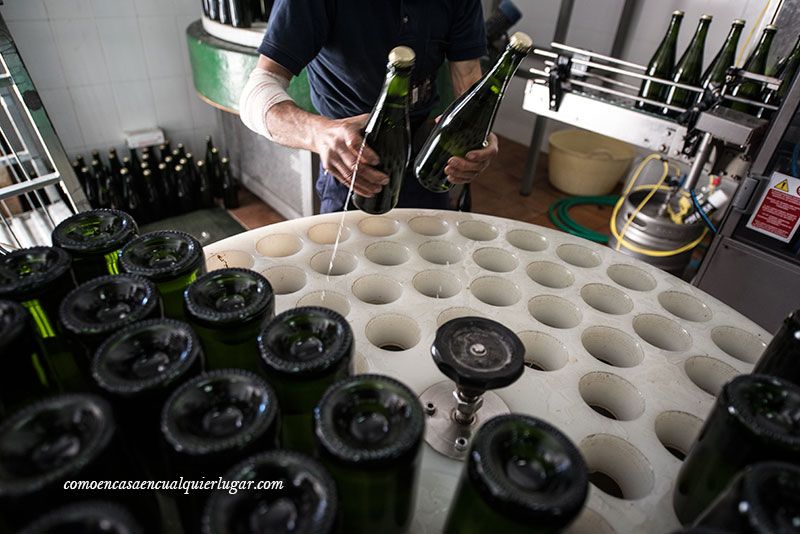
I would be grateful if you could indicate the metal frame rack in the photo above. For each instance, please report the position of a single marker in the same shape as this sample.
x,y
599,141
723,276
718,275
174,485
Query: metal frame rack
x,y
592,91
31,153
754,274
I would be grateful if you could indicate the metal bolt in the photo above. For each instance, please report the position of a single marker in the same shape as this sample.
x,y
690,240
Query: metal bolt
x,y
430,409
478,349
461,444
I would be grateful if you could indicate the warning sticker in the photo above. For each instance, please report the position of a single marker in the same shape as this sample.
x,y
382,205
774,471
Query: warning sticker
x,y
778,212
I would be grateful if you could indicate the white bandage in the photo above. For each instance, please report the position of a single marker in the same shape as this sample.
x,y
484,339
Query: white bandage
x,y
262,91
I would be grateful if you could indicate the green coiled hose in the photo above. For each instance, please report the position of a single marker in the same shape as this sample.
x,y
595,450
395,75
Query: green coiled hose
x,y
558,212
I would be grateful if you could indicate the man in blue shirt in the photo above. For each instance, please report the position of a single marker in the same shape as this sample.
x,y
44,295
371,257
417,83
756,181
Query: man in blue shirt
x,y
344,45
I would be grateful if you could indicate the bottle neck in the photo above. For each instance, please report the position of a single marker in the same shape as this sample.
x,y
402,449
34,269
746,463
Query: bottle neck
x,y
699,39
506,65
757,61
398,81
394,95
673,30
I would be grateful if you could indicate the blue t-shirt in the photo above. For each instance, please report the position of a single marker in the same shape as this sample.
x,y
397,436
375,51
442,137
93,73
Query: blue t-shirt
x,y
345,43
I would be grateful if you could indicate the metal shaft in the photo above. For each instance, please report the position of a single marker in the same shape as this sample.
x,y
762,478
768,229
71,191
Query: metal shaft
x,y
467,404
703,152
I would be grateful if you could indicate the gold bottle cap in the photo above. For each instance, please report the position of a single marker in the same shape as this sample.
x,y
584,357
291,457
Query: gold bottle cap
x,y
706,16
738,22
770,28
521,42
677,12
402,56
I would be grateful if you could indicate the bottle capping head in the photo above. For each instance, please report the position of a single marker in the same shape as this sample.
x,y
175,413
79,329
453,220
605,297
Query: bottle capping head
x,y
402,57
521,42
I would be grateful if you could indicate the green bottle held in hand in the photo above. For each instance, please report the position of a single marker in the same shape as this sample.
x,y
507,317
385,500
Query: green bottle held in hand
x,y
522,475
757,64
467,123
171,259
688,69
369,431
94,239
661,65
725,58
39,278
388,132
228,309
756,418
304,351
762,499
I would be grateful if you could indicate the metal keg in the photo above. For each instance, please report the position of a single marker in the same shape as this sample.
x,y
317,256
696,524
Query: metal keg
x,y
652,231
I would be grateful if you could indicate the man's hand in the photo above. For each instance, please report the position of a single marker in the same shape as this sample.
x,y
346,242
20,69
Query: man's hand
x,y
337,142
465,170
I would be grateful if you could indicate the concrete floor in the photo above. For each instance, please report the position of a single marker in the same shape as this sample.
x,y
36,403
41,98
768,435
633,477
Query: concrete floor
x,y
495,193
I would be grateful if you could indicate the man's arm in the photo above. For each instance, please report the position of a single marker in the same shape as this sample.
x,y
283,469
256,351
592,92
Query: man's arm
x,y
336,141
464,170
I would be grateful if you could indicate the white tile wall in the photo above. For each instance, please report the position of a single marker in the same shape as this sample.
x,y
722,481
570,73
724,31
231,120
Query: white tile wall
x,y
106,67
122,49
37,46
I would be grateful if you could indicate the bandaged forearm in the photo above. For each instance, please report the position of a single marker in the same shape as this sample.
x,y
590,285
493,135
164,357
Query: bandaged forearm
x,y
262,91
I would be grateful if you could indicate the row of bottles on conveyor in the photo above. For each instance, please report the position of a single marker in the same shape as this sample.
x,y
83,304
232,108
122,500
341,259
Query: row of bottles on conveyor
x,y
125,361
238,13
688,69
157,182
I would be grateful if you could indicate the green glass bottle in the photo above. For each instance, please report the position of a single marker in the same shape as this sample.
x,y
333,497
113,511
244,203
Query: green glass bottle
x,y
305,504
230,189
39,278
757,64
786,73
388,132
689,69
25,375
138,368
763,499
781,358
303,352
86,517
69,437
93,239
754,419
725,58
228,309
369,431
661,65
467,123
171,259
211,423
205,192
522,476
96,309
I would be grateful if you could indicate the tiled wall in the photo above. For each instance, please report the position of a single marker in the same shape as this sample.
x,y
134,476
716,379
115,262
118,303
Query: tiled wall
x,y
104,67
593,25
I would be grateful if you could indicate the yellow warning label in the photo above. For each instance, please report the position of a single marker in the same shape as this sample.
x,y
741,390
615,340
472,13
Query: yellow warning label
x,y
783,186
